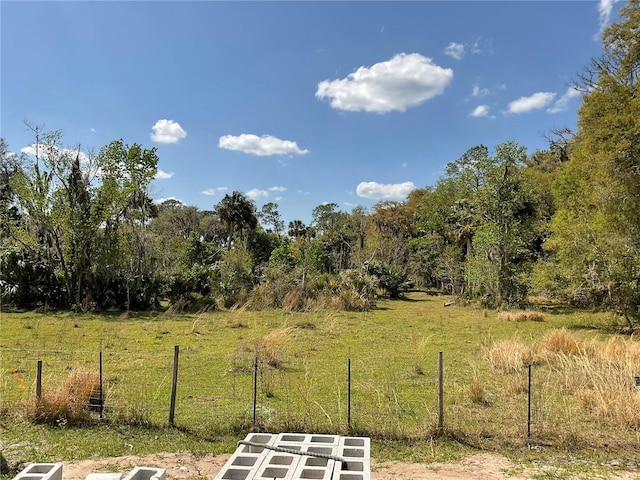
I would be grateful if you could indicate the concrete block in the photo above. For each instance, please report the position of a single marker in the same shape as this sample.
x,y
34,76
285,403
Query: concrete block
x,y
146,473
356,452
259,463
315,467
41,471
278,465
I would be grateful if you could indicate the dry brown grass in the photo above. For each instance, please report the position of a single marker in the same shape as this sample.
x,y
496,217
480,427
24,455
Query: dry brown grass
x,y
521,316
509,356
599,375
71,402
295,301
563,341
270,348
476,391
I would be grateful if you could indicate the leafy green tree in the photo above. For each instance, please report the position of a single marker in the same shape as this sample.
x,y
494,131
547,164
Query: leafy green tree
x,y
507,206
270,215
595,241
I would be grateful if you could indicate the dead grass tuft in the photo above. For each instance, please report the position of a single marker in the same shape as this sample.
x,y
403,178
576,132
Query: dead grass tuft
x,y
295,301
509,356
521,316
270,349
71,403
563,341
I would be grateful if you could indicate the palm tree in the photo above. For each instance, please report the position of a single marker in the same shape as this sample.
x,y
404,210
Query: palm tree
x,y
238,213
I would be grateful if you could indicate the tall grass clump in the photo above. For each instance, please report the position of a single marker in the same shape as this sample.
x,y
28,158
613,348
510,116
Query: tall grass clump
x,y
521,316
70,403
270,349
563,341
509,356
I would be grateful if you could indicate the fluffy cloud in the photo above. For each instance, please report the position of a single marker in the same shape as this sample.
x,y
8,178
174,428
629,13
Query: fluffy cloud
x,y
381,191
277,189
455,50
263,146
167,131
407,80
214,191
480,111
162,175
562,103
537,101
255,193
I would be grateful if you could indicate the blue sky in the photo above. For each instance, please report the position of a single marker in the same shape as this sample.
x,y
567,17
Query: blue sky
x,y
298,103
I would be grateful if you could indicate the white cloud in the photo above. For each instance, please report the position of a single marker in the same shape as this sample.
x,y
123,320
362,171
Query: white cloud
x,y
93,130
381,191
162,175
158,201
480,92
256,193
263,146
605,8
562,103
407,80
477,48
536,101
167,131
214,191
277,189
455,50
480,111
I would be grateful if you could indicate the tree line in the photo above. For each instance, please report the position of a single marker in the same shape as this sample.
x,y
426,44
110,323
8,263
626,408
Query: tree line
x,y
79,230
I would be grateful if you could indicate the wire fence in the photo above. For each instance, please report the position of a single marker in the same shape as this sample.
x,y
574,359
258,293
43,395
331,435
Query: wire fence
x,y
396,398
227,392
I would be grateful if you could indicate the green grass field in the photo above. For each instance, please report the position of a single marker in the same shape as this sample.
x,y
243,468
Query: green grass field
x,y
584,400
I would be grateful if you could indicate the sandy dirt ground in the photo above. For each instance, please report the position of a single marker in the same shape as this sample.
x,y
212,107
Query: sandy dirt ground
x,y
183,466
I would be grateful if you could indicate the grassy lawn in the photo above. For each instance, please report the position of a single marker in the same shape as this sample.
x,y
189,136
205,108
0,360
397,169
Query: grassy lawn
x,y
302,381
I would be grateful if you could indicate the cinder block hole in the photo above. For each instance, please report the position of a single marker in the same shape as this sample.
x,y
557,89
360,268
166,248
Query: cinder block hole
x,y
39,468
244,461
235,474
353,452
307,473
30,477
292,438
315,439
275,472
260,438
354,442
281,460
290,447
316,462
351,476
143,474
252,449
352,466
325,450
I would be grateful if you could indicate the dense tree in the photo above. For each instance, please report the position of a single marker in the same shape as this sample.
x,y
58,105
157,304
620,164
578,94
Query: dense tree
x,y
238,213
595,242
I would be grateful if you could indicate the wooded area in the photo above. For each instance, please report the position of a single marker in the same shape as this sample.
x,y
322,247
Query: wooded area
x,y
79,230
